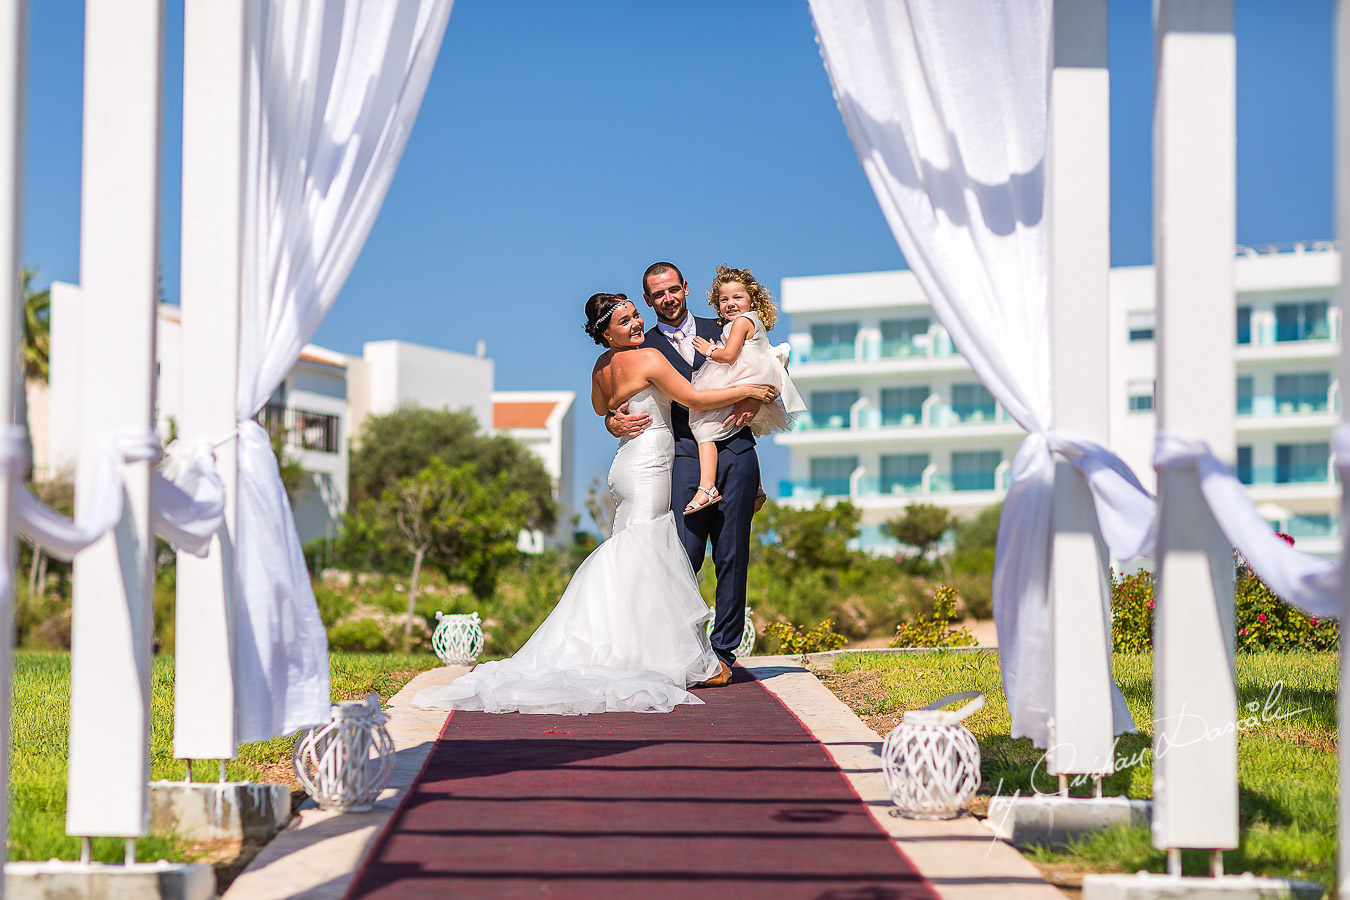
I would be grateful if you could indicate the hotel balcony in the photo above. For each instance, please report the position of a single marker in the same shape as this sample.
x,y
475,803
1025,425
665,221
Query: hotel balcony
x,y
975,488
933,419
869,353
1317,411
1290,331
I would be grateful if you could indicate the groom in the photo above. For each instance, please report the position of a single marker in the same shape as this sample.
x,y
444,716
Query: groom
x,y
726,523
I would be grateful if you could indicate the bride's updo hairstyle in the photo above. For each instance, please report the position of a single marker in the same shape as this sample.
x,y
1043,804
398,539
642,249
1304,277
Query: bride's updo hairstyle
x,y
598,310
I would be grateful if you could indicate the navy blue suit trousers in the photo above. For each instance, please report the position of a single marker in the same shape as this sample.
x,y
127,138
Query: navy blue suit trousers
x,y
726,524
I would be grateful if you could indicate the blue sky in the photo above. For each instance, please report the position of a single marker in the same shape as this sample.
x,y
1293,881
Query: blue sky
x,y
561,147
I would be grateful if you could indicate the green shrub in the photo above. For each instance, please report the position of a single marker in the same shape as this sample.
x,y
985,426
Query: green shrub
x,y
361,635
1263,621
792,640
935,630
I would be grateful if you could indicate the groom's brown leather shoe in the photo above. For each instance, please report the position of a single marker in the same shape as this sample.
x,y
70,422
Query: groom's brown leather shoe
x,y
722,677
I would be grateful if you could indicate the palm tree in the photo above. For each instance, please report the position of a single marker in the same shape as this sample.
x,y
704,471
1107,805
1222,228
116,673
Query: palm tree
x,y
35,350
35,345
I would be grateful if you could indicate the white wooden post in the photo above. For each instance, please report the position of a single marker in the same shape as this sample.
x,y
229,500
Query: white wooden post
x,y
1343,298
213,140
12,27
119,229
1078,184
1195,797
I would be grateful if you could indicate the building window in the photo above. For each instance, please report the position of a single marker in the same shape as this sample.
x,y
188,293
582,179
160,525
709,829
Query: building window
x,y
835,340
1141,324
1244,324
830,474
1302,463
1141,395
1302,392
1244,465
972,403
302,429
898,336
1244,395
830,409
1302,321
903,406
902,473
975,470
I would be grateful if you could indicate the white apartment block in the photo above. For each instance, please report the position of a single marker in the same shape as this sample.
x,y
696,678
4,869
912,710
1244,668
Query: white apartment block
x,y
896,415
542,421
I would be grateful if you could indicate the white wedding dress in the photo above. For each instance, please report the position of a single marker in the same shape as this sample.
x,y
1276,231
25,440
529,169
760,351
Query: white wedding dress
x,y
628,634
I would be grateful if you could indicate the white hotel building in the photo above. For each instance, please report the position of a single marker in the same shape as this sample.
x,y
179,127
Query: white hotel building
x,y
896,416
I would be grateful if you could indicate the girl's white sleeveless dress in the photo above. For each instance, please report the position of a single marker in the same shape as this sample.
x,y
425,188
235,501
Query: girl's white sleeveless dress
x,y
756,364
628,634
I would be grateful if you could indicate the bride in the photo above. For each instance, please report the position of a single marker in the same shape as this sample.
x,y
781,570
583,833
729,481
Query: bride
x,y
628,634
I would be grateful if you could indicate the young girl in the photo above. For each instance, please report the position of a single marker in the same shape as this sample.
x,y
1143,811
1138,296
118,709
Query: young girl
x,y
742,357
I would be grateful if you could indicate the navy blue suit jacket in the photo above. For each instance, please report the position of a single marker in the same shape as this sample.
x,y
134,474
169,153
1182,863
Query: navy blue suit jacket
x,y
685,445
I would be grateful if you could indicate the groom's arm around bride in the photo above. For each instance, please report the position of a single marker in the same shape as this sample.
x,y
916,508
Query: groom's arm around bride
x,y
727,523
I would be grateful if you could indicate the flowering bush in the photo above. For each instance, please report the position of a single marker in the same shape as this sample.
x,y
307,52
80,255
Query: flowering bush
x,y
935,630
793,640
1132,608
1263,620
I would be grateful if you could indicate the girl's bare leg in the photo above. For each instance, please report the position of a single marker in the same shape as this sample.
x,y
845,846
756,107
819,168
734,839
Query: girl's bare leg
x,y
707,494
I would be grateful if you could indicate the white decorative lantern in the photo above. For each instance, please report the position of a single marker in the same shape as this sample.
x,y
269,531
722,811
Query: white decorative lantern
x,y
931,761
747,644
346,764
458,638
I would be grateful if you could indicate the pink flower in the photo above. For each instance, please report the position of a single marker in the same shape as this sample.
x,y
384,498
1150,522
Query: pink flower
x,y
1243,631
1312,622
1149,604
1261,618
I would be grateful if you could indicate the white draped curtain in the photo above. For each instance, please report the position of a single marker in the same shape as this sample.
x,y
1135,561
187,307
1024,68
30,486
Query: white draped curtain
x,y
333,89
947,108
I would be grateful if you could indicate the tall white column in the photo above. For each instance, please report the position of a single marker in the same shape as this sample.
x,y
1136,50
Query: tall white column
x,y
113,604
1194,188
1078,190
213,161
12,27
1343,298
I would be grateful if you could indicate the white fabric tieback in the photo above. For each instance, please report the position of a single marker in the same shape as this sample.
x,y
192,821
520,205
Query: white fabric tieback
x,y
186,514
1308,582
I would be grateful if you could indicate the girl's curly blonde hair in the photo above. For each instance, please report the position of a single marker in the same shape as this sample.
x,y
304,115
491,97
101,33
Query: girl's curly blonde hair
x,y
760,299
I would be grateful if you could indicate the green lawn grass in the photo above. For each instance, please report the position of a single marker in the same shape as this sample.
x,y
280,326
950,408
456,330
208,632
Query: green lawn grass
x,y
1286,766
40,744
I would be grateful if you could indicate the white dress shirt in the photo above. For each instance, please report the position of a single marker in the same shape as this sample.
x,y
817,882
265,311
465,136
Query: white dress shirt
x,y
681,336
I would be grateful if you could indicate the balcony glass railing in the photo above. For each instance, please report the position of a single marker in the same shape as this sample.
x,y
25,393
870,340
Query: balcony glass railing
x,y
1262,475
811,489
873,349
1309,527
903,416
872,485
902,348
817,421
869,418
1283,405
830,352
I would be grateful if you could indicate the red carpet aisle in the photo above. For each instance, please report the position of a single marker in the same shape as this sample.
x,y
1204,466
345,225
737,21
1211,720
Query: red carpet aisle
x,y
730,799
